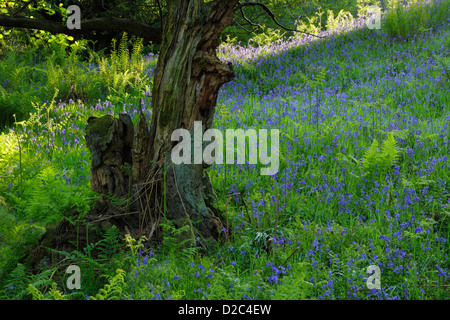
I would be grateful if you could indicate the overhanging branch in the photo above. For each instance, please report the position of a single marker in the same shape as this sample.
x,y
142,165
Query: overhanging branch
x,y
141,30
248,20
270,13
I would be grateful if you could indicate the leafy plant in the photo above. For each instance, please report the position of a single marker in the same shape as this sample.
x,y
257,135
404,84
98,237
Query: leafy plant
x,y
363,6
134,245
15,237
112,290
121,71
268,36
313,26
343,20
178,241
110,245
16,287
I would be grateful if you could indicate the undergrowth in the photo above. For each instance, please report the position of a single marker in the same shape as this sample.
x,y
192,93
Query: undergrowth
x,y
363,175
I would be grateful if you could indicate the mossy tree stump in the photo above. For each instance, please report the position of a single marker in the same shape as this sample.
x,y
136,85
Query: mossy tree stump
x,y
110,142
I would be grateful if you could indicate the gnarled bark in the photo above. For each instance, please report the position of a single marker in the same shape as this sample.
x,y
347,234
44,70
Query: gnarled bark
x,y
186,86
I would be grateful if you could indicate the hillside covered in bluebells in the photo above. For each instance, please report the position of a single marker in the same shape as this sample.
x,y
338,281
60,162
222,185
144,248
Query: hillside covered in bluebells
x,y
363,179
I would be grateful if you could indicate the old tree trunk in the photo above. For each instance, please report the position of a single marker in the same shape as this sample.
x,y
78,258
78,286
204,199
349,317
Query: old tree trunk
x,y
134,164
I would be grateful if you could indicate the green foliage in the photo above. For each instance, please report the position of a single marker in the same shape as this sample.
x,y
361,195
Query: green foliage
x,y
134,245
111,291
34,76
41,195
98,261
444,63
295,287
344,19
43,199
325,239
18,281
303,15
52,294
317,81
178,241
381,158
406,22
363,5
439,12
121,70
267,36
15,236
371,157
110,245
314,87
312,26
15,95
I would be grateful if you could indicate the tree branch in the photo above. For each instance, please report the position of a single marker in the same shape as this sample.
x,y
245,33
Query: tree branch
x,y
270,13
161,19
141,30
248,20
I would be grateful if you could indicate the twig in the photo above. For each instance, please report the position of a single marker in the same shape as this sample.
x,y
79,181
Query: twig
x,y
114,216
244,28
289,256
246,209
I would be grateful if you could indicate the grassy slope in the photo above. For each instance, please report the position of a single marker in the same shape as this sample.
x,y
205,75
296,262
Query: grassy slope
x,y
333,216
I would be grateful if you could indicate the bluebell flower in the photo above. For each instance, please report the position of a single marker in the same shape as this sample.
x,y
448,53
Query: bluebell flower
x,y
441,272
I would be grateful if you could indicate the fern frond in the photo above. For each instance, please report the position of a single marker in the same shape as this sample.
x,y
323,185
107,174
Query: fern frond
x,y
53,294
113,52
110,243
35,293
113,290
18,283
385,156
390,152
137,62
123,52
